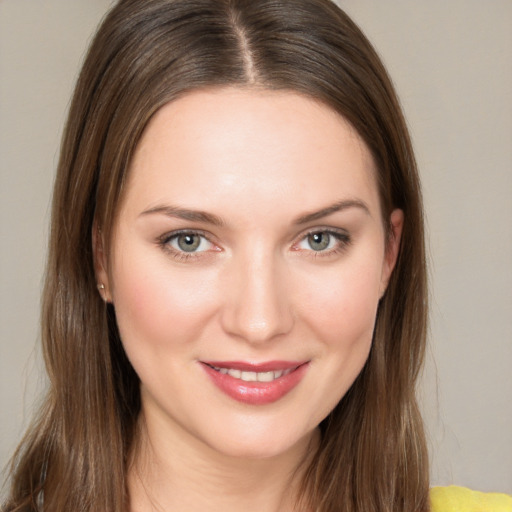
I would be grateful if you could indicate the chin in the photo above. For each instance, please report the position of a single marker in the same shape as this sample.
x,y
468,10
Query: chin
x,y
258,442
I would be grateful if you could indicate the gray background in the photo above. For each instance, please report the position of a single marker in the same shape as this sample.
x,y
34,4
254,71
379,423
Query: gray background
x,y
451,63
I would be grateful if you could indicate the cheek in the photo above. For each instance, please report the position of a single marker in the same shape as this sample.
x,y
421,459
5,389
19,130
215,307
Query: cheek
x,y
343,304
154,310
339,308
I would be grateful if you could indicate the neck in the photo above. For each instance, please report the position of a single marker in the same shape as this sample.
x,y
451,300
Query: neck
x,y
175,472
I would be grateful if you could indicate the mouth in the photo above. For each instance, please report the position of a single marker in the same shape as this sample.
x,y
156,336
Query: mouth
x,y
256,384
253,376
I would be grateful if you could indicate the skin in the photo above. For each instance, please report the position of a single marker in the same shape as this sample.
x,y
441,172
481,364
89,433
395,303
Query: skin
x,y
255,290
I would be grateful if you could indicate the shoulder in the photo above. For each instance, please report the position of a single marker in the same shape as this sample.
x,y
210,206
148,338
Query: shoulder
x,y
460,499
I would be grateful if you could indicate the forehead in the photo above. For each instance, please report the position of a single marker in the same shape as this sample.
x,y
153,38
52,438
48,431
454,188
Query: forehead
x,y
232,146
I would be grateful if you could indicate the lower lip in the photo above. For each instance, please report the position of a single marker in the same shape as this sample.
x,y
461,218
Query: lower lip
x,y
256,393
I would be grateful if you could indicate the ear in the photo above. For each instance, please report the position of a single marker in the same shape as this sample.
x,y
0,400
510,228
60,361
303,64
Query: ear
x,y
100,263
396,222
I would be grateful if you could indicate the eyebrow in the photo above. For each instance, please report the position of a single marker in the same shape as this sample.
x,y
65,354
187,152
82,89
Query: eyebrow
x,y
186,214
210,218
334,208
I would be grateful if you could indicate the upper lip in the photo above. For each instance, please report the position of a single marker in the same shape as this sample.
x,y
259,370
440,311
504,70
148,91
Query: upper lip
x,y
266,366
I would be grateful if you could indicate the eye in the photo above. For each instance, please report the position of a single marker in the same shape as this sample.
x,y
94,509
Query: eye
x,y
186,242
320,241
324,241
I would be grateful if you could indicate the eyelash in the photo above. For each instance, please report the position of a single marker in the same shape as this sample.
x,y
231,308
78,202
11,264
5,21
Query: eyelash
x,y
342,241
165,240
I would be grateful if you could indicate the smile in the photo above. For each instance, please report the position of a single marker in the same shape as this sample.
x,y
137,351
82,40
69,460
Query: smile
x,y
248,376
255,384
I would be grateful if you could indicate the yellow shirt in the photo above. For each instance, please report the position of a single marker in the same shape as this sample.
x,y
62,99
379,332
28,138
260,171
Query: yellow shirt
x,y
460,499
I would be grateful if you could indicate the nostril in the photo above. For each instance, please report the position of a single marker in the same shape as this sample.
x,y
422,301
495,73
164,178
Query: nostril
x,y
254,326
257,302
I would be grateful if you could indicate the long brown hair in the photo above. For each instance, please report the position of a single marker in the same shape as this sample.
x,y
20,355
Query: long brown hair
x,y
372,455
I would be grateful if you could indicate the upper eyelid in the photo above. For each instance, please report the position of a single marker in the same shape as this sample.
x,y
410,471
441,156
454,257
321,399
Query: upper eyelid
x,y
342,236
164,242
326,229
165,238
171,234
323,229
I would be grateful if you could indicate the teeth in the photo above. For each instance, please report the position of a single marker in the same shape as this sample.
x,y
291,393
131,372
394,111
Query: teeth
x,y
254,376
249,376
266,377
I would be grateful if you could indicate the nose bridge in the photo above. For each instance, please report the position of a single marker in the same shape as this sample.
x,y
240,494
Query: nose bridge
x,y
258,307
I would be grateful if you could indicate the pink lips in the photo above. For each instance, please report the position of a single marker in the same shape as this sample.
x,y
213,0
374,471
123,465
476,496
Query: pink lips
x,y
274,379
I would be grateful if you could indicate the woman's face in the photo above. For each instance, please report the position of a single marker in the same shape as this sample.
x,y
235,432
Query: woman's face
x,y
247,264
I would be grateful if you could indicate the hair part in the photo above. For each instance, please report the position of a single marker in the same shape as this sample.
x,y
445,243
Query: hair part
x,y
145,54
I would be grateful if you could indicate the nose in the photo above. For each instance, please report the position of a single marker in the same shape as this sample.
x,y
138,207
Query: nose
x,y
257,306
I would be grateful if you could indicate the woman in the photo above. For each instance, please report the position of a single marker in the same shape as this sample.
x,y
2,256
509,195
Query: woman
x,y
237,183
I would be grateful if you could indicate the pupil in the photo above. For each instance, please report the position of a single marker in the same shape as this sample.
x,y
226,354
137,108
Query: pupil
x,y
318,241
188,243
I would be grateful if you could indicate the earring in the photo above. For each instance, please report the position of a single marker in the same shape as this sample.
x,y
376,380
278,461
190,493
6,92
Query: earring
x,y
101,289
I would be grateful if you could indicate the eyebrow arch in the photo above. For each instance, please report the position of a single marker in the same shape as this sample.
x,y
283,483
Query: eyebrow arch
x,y
186,214
336,207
